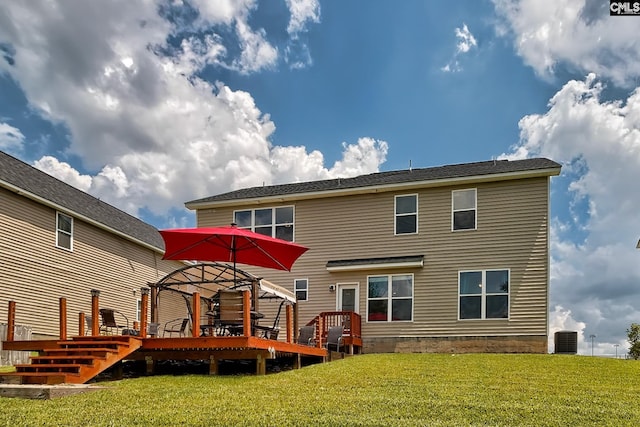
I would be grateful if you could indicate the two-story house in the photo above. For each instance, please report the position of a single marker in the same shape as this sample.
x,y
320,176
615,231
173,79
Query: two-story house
x,y
442,259
57,241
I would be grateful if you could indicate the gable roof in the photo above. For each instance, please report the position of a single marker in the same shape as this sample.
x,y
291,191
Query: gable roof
x,y
440,175
32,183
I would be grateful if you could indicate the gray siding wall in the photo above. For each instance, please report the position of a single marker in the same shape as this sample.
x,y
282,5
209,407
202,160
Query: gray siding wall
x,y
35,274
512,234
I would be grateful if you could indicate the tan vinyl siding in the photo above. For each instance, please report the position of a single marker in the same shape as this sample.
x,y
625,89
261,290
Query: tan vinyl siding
x,y
511,234
36,273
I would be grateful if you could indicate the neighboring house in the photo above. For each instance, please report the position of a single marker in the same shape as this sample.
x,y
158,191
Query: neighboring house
x,y
57,241
443,259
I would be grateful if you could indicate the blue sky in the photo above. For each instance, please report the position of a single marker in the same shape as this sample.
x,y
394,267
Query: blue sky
x,y
150,104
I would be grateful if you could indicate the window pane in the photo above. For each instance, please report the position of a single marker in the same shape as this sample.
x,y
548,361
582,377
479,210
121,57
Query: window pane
x,y
464,220
243,219
401,309
264,230
64,223
470,307
406,204
285,232
378,287
377,311
263,217
401,286
497,281
301,295
64,240
301,284
284,215
464,199
497,307
406,224
471,282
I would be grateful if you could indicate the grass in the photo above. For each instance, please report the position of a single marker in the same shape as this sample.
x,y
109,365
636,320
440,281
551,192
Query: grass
x,y
368,390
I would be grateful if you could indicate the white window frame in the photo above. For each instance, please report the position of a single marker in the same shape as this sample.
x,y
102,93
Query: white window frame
x,y
139,309
390,298
66,233
296,289
274,224
483,295
454,210
396,214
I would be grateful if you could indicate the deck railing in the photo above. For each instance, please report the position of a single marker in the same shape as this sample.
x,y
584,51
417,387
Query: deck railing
x,y
351,321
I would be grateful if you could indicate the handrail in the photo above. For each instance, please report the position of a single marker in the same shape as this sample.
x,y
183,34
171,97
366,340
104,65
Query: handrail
x,y
351,321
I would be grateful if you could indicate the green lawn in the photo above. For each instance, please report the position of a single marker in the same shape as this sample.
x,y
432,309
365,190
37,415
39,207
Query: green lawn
x,y
368,390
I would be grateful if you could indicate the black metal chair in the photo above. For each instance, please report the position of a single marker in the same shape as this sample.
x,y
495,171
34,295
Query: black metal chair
x,y
334,337
306,335
108,321
176,326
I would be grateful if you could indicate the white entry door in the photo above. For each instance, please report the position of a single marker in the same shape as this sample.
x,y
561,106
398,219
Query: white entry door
x,y
348,297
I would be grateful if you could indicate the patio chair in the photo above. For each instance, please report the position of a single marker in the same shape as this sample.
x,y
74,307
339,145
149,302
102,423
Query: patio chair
x,y
306,335
108,324
231,311
334,337
176,326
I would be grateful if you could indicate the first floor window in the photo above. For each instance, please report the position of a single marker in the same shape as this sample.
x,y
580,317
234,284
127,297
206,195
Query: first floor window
x,y
390,298
138,310
274,222
484,294
64,231
301,289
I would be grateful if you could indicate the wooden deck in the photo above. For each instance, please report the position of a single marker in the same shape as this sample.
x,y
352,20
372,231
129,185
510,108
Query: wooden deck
x,y
80,359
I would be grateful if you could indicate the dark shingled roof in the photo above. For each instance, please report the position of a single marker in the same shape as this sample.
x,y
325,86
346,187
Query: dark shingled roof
x,y
388,178
34,181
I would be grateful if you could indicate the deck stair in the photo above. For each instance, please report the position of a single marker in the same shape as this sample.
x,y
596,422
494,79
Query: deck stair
x,y
77,360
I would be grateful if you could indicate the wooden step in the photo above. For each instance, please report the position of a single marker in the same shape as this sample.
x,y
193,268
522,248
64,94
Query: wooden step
x,y
50,367
92,344
40,377
77,359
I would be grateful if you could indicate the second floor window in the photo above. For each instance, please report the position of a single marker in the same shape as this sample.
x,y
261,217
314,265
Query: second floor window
x,y
64,231
463,215
274,222
406,214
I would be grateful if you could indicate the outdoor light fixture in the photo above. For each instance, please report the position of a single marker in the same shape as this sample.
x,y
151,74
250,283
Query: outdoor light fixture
x,y
95,293
332,288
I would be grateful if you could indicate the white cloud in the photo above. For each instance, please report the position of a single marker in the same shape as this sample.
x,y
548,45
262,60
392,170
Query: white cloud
x,y
151,133
11,139
64,172
466,42
599,142
577,33
302,11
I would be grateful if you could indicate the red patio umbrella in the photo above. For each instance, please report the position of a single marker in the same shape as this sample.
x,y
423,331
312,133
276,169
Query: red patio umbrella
x,y
230,244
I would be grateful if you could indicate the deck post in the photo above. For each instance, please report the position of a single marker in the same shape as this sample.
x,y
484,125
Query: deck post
x,y
213,365
63,318
150,364
81,325
11,321
246,313
295,326
196,315
261,365
289,328
154,301
144,302
95,312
